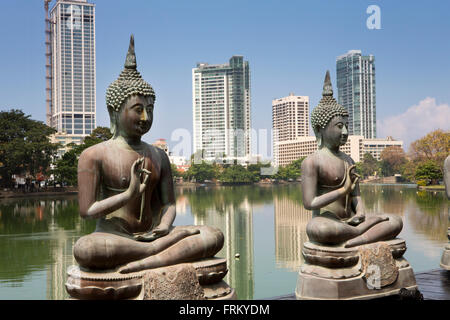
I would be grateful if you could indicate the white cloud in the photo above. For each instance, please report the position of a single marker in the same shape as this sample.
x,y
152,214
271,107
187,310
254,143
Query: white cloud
x,y
415,122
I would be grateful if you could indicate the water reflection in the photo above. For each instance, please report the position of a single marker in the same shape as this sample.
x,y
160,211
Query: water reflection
x,y
231,211
290,229
37,235
36,239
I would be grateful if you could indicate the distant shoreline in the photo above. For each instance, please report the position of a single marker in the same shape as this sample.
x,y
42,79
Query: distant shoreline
x,y
74,191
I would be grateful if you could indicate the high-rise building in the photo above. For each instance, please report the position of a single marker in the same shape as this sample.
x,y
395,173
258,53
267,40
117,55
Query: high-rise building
x,y
290,120
356,91
221,109
71,68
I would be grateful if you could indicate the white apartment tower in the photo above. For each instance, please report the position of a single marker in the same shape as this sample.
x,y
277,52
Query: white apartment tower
x,y
290,120
221,109
72,57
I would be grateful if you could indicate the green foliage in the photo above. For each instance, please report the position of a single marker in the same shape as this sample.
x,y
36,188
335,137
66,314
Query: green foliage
x,y
291,171
175,172
369,165
25,147
255,169
421,183
238,174
201,172
428,170
392,160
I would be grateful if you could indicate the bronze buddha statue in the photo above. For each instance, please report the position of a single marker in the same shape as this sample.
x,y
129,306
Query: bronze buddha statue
x,y
330,187
126,184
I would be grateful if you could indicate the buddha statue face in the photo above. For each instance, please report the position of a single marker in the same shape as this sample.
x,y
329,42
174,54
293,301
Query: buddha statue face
x,y
329,119
335,133
130,100
135,117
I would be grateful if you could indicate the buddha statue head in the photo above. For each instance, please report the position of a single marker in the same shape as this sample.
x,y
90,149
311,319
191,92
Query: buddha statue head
x,y
130,92
329,119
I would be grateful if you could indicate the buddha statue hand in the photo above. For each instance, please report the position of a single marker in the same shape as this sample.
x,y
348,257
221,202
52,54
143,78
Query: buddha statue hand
x,y
158,232
356,220
138,172
351,179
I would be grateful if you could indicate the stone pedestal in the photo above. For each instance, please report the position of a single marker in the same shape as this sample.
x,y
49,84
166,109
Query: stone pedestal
x,y
200,280
365,272
445,260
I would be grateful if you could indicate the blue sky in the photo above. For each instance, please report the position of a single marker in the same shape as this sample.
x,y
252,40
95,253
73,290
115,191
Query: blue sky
x,y
289,45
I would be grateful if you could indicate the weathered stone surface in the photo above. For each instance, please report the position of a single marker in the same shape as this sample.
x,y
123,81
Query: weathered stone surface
x,y
378,265
177,282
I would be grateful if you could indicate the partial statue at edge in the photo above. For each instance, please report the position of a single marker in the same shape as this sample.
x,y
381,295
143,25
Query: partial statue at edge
x,y
330,187
127,185
445,259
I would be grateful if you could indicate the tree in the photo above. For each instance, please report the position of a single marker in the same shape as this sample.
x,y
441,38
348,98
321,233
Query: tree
x,y
175,171
429,171
98,135
392,160
237,174
255,169
291,171
201,172
369,165
434,146
25,146
66,168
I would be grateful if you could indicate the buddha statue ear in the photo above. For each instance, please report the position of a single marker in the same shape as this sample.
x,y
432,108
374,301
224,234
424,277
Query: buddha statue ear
x,y
113,118
318,134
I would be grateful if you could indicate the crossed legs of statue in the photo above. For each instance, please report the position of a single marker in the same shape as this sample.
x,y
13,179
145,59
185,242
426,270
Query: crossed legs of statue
x,y
101,250
328,230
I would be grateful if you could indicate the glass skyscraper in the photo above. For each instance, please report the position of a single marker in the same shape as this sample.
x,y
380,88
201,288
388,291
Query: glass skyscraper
x,y
356,91
221,109
73,68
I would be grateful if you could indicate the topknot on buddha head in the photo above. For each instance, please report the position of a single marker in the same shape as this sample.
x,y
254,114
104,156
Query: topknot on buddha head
x,y
327,107
129,82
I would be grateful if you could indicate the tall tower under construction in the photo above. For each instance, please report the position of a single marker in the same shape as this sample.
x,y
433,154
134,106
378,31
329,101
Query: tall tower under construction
x,y
70,68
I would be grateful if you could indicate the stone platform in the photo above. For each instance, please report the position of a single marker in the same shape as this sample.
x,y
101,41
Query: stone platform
x,y
187,281
363,272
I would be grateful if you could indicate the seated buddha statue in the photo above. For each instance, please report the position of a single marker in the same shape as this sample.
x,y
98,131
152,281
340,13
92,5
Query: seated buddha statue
x,y
126,184
330,185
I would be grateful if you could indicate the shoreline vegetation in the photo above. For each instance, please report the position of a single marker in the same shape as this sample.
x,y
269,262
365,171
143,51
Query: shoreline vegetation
x,y
59,191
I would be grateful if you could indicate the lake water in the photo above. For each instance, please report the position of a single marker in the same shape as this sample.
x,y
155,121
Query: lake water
x,y
265,225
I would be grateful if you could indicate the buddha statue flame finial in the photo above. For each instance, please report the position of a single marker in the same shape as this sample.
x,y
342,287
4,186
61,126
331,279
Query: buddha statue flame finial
x,y
327,87
130,61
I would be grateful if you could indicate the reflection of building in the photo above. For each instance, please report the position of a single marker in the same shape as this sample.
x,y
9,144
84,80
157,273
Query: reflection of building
x,y
356,92
221,108
61,253
237,226
72,65
290,120
291,219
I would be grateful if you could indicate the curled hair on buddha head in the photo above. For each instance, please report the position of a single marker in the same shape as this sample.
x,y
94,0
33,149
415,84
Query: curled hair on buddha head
x,y
129,82
326,110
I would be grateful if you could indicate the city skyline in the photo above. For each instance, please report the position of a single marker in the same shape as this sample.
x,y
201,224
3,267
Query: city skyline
x,y
412,90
